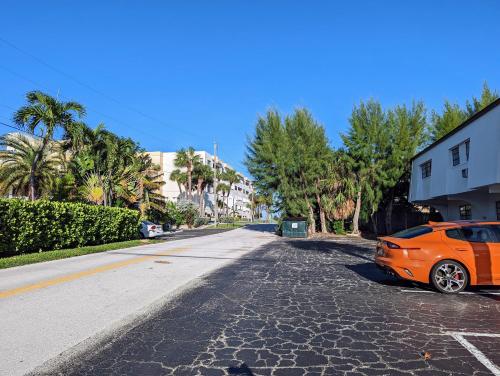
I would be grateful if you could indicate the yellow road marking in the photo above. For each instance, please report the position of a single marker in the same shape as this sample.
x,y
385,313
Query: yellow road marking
x,y
84,273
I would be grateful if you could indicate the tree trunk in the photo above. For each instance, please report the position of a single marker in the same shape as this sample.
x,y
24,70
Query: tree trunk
x,y
322,220
234,212
32,182
189,183
202,203
312,224
200,181
388,214
355,220
322,217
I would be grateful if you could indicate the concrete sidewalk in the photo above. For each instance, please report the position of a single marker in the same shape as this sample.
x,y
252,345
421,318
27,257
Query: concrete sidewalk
x,y
50,307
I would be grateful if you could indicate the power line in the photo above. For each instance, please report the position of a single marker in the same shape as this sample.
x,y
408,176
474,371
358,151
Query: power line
x,y
96,91
89,87
18,129
42,87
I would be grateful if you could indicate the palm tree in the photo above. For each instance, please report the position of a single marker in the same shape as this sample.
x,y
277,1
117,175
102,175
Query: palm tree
x,y
203,175
224,188
150,182
46,114
180,178
26,166
92,189
116,160
232,177
146,184
339,189
264,201
77,135
186,158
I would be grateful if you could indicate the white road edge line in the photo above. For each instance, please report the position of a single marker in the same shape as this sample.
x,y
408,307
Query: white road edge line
x,y
459,336
460,293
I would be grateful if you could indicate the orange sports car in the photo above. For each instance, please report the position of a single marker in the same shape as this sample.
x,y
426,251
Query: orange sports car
x,y
450,255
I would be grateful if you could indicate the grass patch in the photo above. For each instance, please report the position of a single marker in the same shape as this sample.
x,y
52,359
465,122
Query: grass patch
x,y
33,258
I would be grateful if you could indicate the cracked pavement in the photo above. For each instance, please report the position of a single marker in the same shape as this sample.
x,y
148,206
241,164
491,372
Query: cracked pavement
x,y
302,307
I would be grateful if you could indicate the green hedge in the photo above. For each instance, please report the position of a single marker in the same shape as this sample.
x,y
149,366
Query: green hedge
x,y
27,226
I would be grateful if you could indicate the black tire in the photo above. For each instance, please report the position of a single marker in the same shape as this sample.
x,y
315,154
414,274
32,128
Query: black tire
x,y
449,277
141,235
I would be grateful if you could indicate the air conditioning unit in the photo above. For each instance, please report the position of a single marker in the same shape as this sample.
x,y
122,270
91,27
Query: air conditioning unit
x,y
465,173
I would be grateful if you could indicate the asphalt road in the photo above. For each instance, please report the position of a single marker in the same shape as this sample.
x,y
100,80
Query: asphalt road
x,y
65,305
194,233
302,307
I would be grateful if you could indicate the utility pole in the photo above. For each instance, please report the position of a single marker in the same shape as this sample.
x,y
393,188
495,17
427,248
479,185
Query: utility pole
x,y
216,209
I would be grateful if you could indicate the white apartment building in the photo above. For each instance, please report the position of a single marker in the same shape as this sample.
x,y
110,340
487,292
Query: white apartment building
x,y
239,197
459,174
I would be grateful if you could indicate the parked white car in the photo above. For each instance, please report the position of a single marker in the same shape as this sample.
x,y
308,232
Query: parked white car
x,y
150,230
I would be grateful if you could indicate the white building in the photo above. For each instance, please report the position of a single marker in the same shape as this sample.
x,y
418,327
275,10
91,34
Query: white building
x,y
239,197
459,174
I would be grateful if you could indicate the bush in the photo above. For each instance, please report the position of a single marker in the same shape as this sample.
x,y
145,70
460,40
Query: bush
x,y
27,226
173,216
226,220
201,221
189,211
338,227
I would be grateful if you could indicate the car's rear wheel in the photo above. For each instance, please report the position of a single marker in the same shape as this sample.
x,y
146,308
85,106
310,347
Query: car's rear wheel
x,y
449,277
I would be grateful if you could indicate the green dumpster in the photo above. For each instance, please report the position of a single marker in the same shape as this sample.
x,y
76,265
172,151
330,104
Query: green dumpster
x,y
294,227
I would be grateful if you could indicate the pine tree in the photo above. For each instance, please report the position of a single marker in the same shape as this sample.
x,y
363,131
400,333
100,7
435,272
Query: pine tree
x,y
453,115
450,118
406,127
487,97
367,144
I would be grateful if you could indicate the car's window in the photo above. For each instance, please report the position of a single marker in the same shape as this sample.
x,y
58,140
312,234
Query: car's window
x,y
412,232
455,233
148,223
495,229
475,234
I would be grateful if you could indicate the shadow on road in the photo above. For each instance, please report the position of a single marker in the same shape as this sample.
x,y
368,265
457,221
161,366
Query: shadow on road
x,y
243,369
195,257
323,246
262,227
371,272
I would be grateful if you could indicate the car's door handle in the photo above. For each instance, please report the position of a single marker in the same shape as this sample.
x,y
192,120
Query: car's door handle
x,y
461,249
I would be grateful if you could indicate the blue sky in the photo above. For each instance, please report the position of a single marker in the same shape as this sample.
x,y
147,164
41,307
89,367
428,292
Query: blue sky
x,y
178,73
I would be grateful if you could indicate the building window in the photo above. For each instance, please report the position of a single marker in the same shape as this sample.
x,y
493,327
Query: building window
x,y
426,169
465,212
455,155
467,148
498,210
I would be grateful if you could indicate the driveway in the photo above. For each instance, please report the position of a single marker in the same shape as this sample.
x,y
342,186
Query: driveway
x,y
297,307
49,308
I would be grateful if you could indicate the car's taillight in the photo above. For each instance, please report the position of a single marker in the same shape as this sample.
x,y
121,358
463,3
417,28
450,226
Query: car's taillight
x,y
392,245
152,228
